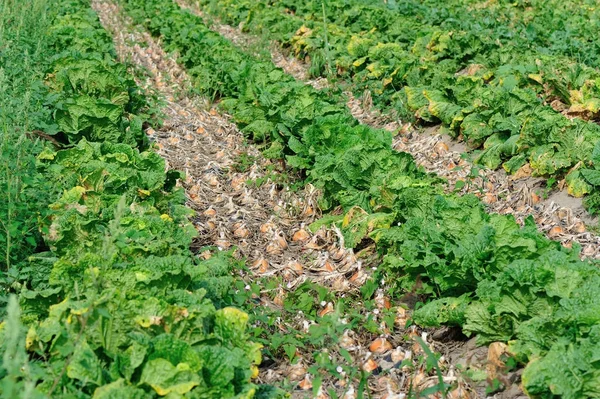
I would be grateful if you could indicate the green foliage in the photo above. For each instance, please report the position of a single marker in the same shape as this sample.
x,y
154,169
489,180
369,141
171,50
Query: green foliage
x,y
114,303
490,78
493,277
24,195
90,94
573,379
455,244
587,177
24,203
17,379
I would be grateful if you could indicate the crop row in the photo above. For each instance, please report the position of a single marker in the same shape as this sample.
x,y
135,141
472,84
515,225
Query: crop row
x,y
521,25
522,105
483,272
488,37
117,306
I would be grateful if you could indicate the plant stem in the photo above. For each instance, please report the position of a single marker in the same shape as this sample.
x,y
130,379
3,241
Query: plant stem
x,y
327,57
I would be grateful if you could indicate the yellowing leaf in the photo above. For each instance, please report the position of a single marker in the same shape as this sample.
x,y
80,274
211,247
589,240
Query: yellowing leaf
x,y
165,378
166,217
359,62
359,46
230,325
536,77
254,353
79,312
29,339
139,276
576,96
592,105
47,154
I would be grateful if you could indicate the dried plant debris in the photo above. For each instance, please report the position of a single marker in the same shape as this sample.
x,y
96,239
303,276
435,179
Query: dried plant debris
x,y
238,194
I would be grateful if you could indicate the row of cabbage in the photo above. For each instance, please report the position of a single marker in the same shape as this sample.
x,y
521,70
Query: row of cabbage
x,y
113,304
540,25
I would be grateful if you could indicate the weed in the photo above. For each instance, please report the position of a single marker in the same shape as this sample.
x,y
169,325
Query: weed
x,y
24,195
243,163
